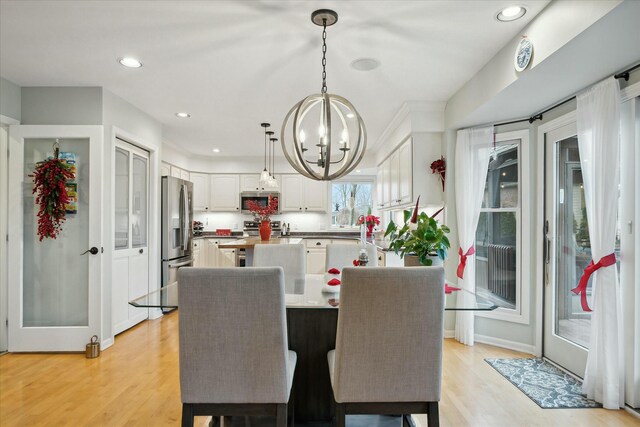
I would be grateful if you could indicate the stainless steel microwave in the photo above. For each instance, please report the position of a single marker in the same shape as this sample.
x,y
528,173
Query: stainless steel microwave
x,y
261,197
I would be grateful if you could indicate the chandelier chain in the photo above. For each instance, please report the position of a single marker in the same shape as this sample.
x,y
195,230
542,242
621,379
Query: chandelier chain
x,y
324,56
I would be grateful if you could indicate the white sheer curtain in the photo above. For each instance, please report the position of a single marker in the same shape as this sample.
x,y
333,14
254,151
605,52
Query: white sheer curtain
x,y
598,121
473,148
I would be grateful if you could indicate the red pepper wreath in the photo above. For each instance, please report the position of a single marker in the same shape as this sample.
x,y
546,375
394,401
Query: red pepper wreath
x,y
50,178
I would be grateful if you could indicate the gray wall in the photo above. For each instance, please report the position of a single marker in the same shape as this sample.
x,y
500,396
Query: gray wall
x,y
10,99
61,106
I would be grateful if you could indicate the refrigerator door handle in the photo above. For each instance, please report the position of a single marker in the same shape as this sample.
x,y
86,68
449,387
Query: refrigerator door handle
x,y
180,264
185,217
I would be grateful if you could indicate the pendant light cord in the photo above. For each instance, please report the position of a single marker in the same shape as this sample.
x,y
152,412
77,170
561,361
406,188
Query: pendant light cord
x,y
324,56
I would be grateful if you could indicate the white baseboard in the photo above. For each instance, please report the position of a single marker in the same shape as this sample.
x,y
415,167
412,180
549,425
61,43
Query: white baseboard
x,y
155,313
449,333
511,345
105,344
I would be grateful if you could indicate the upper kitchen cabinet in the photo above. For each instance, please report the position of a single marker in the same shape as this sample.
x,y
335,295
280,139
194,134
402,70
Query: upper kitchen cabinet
x,y
300,194
405,174
176,172
224,193
201,191
252,183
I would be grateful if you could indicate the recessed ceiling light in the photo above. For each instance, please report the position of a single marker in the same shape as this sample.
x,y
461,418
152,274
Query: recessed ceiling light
x,y
365,64
357,170
183,115
130,62
216,150
511,13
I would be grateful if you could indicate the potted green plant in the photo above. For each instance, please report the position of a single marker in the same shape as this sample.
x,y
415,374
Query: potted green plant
x,y
421,240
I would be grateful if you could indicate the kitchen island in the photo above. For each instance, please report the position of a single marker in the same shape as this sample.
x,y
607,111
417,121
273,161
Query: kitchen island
x,y
248,243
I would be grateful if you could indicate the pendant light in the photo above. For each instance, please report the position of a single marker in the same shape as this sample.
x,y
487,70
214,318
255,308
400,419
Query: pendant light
x,y
264,175
326,121
272,183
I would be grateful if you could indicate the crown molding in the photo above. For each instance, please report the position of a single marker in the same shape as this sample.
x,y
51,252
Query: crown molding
x,y
423,116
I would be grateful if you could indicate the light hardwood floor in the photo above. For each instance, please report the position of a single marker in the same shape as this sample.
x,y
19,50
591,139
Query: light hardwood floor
x,y
135,383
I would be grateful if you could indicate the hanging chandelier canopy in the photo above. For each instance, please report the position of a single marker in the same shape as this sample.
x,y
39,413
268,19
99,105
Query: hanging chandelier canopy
x,y
323,136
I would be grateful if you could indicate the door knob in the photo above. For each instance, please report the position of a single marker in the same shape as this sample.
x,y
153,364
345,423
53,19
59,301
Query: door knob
x,y
93,251
141,250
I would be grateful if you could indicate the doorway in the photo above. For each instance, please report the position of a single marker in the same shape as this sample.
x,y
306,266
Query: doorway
x,y
4,177
131,225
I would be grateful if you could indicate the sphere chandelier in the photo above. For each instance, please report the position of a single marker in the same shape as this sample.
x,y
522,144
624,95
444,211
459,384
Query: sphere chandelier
x,y
328,122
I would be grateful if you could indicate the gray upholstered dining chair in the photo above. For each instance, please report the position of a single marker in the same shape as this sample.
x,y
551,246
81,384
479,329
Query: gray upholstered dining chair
x,y
291,258
388,356
341,255
234,354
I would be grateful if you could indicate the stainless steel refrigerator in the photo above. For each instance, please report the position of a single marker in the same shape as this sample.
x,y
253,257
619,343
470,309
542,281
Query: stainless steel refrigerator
x,y
177,234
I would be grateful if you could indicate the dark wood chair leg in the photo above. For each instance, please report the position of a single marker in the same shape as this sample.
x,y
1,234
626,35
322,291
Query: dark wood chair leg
x,y
433,416
281,415
340,415
187,415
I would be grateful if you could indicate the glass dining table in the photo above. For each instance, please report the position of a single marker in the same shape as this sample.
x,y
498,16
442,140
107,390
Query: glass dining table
x,y
312,291
312,319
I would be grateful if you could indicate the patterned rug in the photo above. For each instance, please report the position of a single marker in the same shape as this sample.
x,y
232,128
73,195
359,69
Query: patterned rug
x,y
545,384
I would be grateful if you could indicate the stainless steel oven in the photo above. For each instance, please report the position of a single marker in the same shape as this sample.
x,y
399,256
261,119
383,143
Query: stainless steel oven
x,y
261,197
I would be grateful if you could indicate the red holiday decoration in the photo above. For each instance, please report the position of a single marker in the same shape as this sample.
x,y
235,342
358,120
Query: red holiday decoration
x,y
50,178
439,167
370,221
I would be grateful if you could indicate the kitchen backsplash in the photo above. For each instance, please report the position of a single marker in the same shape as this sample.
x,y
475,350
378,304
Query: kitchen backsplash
x,y
308,221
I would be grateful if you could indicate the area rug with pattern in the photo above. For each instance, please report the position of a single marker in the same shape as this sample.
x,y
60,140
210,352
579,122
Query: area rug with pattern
x,y
544,383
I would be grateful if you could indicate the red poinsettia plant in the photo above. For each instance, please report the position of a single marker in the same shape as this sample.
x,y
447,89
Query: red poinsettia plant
x,y
369,221
439,167
261,212
50,178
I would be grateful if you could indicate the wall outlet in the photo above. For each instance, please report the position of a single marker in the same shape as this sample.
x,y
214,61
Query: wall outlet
x,y
295,226
235,225
323,226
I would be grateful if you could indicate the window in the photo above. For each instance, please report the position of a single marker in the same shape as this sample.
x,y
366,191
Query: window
x,y
349,200
503,225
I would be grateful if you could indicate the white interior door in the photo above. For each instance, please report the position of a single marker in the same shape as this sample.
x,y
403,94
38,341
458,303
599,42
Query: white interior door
x,y
55,284
131,219
567,253
4,177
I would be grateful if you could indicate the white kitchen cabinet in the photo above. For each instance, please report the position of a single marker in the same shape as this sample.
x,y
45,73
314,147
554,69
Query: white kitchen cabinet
x,y
405,175
165,169
224,193
227,257
300,194
316,258
197,252
381,259
184,175
394,178
201,191
250,183
213,253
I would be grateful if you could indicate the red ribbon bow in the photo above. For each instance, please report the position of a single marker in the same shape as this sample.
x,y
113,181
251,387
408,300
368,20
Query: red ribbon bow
x,y
581,289
463,260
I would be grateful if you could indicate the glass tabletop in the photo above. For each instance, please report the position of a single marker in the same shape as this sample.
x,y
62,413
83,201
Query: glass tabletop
x,y
312,291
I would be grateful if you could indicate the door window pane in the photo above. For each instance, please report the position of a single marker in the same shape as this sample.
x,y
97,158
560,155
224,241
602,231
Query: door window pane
x,y
573,249
139,202
121,229
55,275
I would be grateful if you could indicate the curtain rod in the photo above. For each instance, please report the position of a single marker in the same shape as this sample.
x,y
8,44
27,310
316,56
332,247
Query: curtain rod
x,y
621,75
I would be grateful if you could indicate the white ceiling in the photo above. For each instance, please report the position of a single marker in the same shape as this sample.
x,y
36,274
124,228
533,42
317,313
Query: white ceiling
x,y
232,65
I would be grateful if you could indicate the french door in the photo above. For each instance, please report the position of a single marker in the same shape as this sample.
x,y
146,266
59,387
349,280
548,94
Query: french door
x,y
567,250
131,219
55,284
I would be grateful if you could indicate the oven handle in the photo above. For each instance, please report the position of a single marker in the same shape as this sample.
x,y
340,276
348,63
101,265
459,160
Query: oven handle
x,y
180,264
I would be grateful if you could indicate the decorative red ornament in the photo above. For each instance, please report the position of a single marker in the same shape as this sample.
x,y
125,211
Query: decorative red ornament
x,y
439,167
50,178
263,213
